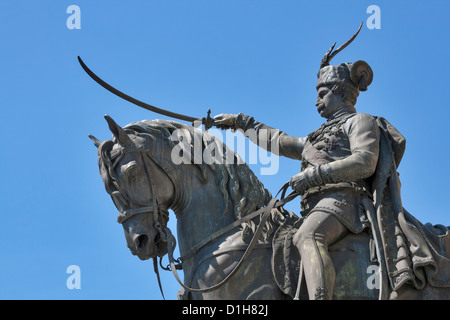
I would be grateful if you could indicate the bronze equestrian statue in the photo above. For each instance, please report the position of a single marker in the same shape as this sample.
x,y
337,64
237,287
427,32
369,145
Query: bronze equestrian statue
x,y
352,215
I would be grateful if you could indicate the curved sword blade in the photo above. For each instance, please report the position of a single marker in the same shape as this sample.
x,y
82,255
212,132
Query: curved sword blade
x,y
136,101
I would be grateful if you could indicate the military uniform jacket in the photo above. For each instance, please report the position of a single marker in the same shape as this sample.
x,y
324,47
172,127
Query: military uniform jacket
x,y
353,145
349,144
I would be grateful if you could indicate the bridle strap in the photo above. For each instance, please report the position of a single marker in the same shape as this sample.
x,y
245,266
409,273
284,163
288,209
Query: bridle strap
x,y
127,214
154,209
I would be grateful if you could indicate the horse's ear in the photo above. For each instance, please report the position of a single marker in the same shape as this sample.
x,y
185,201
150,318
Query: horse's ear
x,y
96,142
118,132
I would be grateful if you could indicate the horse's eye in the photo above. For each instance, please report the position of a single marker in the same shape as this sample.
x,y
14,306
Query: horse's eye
x,y
128,168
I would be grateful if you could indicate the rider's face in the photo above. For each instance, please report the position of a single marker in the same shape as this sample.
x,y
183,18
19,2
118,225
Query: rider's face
x,y
327,102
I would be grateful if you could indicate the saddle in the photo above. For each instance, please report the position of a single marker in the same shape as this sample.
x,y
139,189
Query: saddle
x,y
352,256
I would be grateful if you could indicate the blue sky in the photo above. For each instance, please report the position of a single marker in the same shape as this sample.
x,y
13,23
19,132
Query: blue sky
x,y
256,57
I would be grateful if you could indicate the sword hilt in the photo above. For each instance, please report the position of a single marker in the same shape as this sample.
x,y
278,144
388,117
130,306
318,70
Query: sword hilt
x,y
208,121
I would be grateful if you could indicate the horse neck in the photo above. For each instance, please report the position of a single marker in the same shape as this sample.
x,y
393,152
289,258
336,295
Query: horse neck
x,y
201,214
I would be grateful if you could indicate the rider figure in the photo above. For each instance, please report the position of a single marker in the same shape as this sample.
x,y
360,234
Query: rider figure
x,y
337,161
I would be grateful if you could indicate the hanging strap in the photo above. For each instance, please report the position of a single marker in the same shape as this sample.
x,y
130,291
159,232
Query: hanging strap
x,y
155,267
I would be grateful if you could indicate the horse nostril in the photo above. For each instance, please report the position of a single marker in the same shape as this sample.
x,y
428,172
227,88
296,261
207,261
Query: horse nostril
x,y
141,241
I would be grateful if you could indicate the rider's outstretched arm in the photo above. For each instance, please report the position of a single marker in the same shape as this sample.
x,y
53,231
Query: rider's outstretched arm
x,y
268,138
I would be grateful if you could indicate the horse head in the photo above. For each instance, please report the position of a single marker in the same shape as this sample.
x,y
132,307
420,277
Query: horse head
x,y
140,189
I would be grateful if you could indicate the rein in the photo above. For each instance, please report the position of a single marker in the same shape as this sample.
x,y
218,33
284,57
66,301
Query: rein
x,y
167,235
171,246
265,212
237,223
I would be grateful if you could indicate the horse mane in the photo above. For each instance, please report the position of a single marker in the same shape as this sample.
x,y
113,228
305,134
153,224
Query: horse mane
x,y
241,189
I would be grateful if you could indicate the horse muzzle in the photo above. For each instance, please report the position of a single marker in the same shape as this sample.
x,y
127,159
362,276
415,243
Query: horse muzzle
x,y
143,246
146,247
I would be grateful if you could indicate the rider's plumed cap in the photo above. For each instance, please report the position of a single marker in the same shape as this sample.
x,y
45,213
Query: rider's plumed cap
x,y
356,76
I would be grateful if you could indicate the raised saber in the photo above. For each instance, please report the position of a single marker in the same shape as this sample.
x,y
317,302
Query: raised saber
x,y
208,121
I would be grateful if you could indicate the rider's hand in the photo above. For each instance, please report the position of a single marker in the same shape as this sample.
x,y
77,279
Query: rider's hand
x,y
225,121
299,183
306,179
